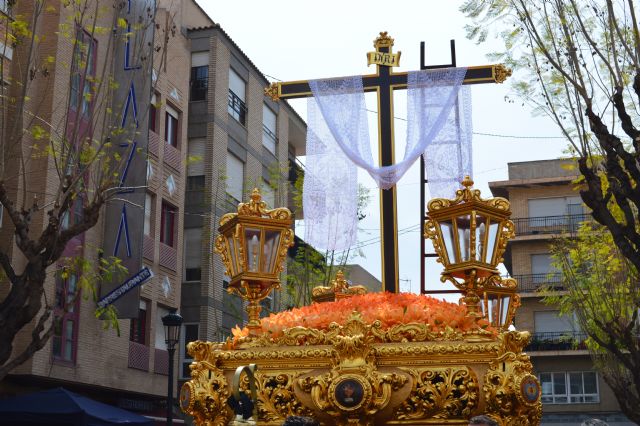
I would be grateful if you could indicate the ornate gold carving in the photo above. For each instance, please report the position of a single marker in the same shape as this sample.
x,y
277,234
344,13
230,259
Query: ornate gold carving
x,y
205,396
273,91
277,399
502,389
501,73
338,288
375,393
440,393
466,195
383,40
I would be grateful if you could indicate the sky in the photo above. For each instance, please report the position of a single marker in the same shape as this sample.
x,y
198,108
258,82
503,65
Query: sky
x,y
294,40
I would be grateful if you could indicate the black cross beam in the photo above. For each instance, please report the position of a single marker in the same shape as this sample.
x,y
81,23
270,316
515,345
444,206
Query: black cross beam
x,y
384,82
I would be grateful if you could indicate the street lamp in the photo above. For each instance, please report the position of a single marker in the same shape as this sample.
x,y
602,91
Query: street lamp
x,y
253,244
172,323
470,235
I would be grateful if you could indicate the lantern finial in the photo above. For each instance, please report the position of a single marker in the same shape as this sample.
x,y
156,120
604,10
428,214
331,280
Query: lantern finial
x,y
467,182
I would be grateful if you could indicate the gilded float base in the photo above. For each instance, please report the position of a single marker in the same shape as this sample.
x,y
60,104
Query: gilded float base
x,y
359,374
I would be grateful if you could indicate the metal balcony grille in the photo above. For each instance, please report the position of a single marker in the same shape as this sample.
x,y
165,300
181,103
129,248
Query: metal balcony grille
x,y
530,283
237,108
557,341
550,224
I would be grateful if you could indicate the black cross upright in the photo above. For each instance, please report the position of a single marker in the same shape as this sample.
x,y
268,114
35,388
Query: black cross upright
x,y
384,82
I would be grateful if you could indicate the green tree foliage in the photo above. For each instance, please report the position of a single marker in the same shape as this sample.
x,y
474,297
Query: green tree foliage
x,y
602,294
578,62
55,175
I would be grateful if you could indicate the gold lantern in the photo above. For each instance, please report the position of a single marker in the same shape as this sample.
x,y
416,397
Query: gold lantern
x,y
253,244
470,235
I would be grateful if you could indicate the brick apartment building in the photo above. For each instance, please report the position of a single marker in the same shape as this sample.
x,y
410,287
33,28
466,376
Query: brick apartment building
x,y
130,369
241,140
545,205
212,137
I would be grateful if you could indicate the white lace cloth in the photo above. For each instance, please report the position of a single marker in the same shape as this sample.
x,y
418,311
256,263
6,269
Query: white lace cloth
x,y
338,140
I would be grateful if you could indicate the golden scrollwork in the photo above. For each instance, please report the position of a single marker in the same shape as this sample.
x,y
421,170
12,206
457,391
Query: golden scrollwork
x,y
338,288
504,392
383,40
273,91
205,396
373,394
440,393
501,73
466,195
277,399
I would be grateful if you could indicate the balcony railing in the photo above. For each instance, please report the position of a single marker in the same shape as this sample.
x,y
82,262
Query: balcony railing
x,y
237,108
557,341
269,139
530,283
550,224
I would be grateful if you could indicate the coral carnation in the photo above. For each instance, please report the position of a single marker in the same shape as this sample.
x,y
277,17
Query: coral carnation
x,y
389,308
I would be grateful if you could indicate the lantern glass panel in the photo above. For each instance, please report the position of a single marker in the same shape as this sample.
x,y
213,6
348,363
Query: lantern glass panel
x,y
270,250
448,237
506,301
481,231
464,237
252,248
492,308
492,240
231,246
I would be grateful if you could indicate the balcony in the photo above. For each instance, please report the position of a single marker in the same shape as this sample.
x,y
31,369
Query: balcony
x,y
269,140
237,108
138,356
557,341
530,283
161,362
168,257
550,224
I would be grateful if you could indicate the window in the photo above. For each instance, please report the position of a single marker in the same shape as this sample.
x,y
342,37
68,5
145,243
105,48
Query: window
x,y
167,220
74,215
5,6
189,334
199,76
235,176
196,151
542,268
194,195
195,183
236,105
269,138
268,194
192,253
82,72
553,322
578,387
153,114
138,331
159,341
148,213
67,307
171,126
555,213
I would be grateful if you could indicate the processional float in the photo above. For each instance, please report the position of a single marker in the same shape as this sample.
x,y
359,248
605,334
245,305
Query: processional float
x,y
377,358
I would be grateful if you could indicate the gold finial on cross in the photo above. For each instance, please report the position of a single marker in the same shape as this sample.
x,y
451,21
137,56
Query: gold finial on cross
x,y
383,55
383,40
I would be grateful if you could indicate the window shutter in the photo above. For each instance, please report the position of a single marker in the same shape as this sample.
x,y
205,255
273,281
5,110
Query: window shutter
x,y
237,85
196,149
199,59
235,176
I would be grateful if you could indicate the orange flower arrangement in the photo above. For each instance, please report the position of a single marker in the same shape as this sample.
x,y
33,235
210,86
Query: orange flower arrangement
x,y
389,308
